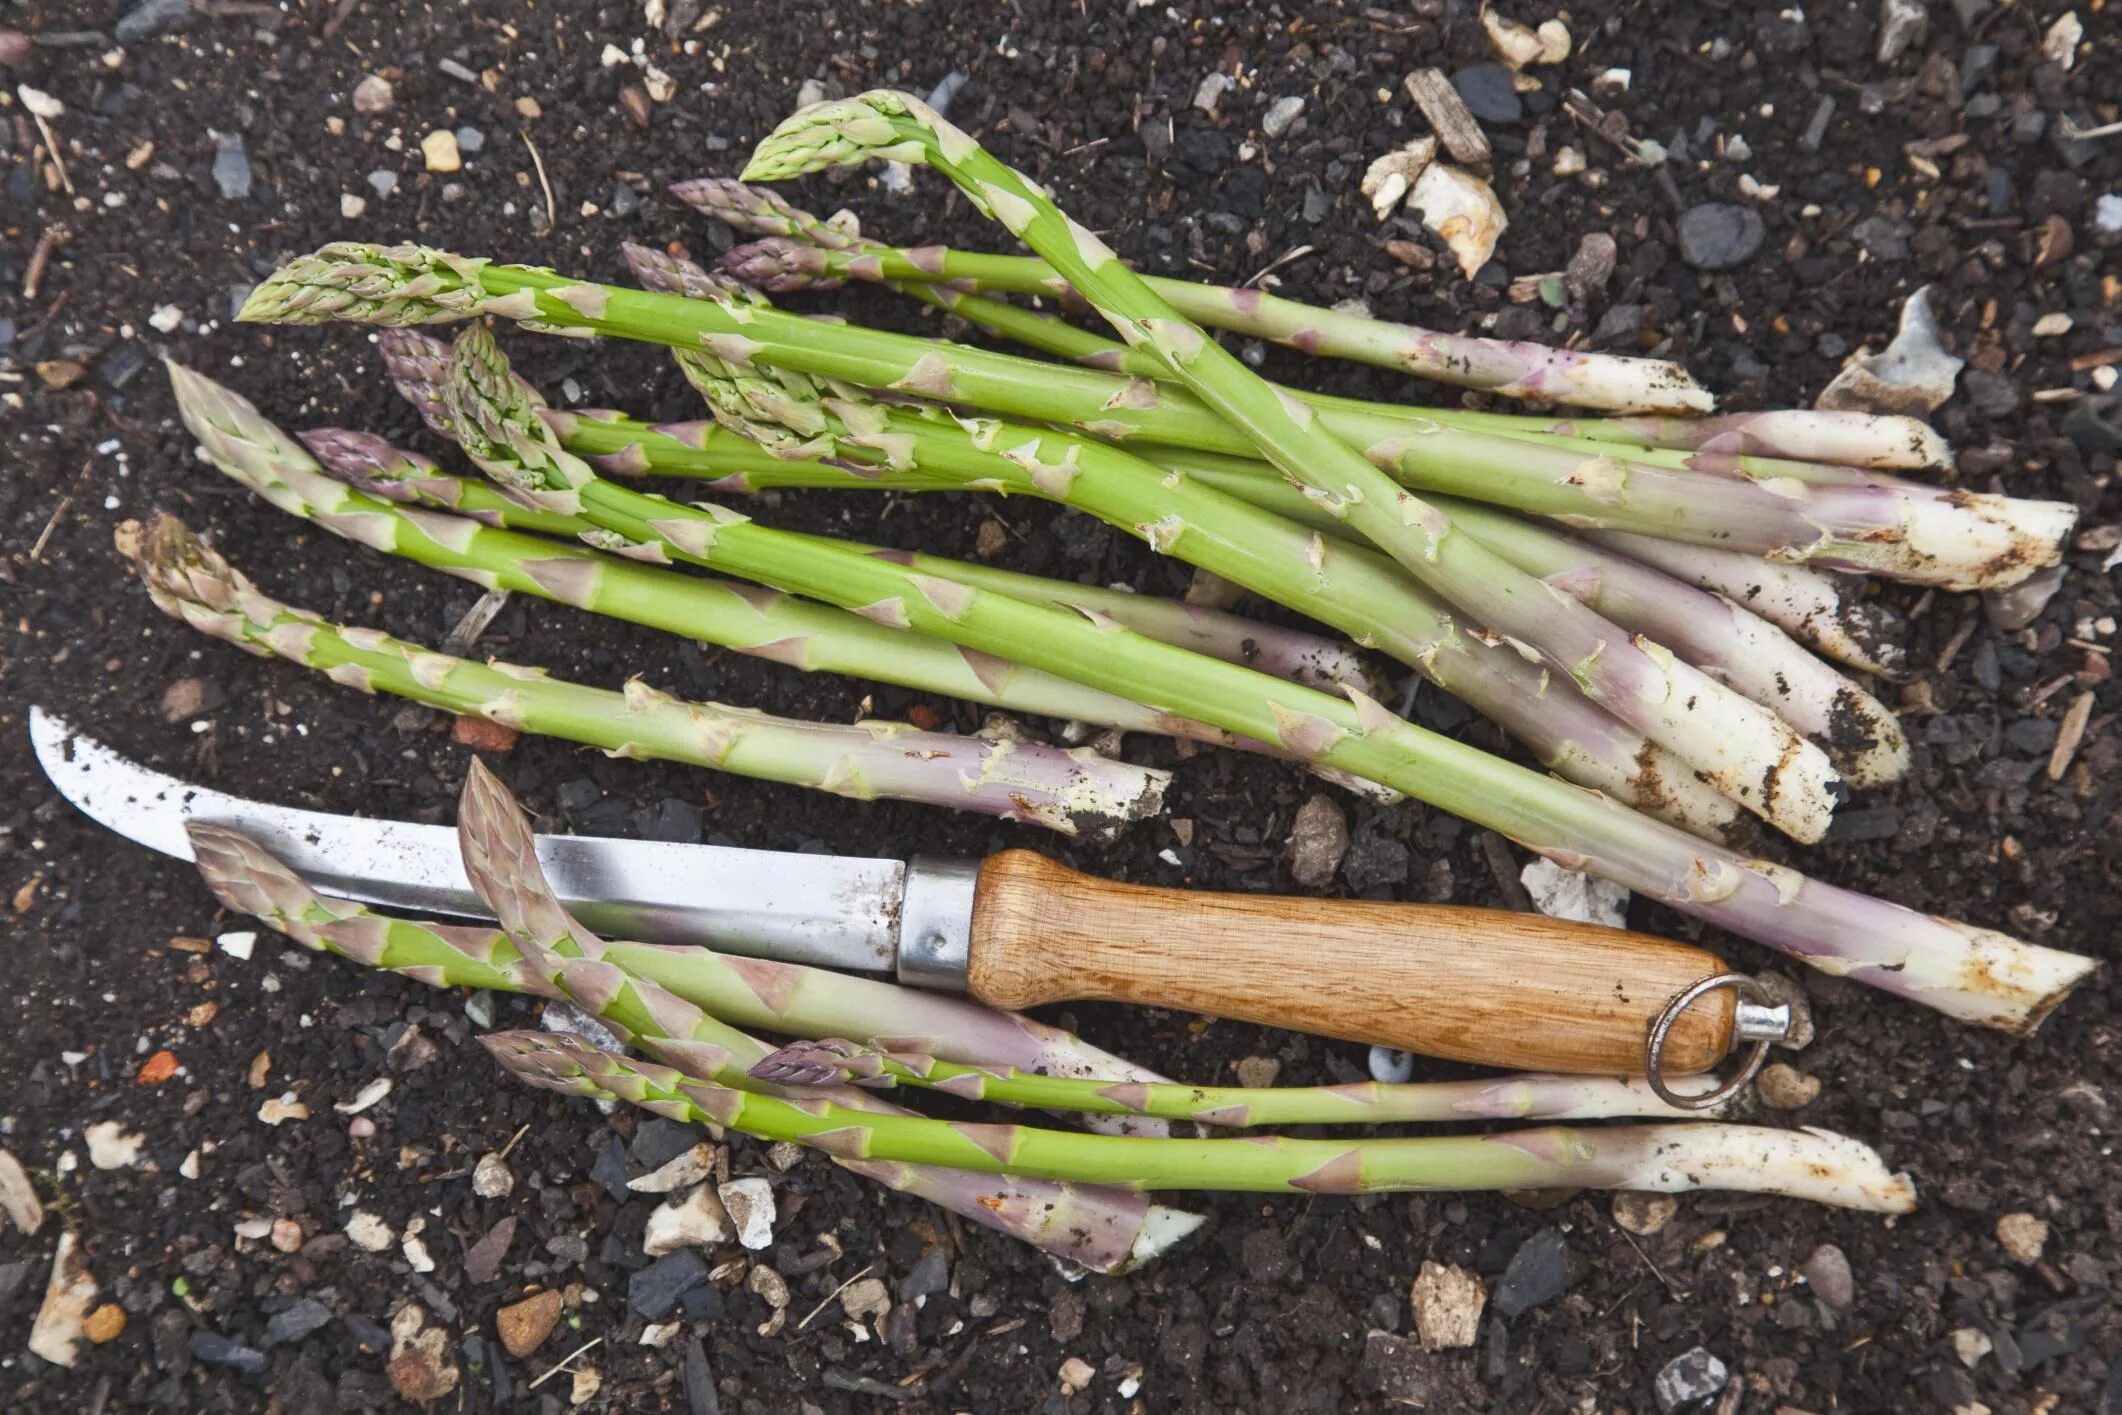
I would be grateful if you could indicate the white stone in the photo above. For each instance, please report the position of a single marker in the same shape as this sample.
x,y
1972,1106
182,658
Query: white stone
x,y
750,1204
1462,209
1563,893
367,1232
1447,1302
687,1169
110,1147
699,1220
238,944
351,206
491,1178
165,319
367,1096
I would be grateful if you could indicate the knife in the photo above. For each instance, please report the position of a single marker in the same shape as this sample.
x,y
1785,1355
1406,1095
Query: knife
x,y
1017,930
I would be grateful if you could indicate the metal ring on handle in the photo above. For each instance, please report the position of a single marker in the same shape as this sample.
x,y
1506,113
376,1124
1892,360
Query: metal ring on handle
x,y
1661,1027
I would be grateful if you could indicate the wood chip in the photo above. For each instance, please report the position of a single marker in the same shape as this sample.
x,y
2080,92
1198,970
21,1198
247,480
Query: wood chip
x,y
2070,734
1447,113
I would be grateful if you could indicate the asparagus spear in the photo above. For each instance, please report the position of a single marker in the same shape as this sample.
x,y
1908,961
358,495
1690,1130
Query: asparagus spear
x,y
1728,642
838,251
1975,974
754,993
837,1062
1814,606
1964,540
1806,1164
1509,368
1104,1229
1063,791
1349,587
1746,751
418,364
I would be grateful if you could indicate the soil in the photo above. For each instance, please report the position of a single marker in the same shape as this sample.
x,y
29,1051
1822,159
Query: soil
x,y
1946,166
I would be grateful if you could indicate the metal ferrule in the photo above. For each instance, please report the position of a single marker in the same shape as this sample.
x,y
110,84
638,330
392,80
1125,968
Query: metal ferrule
x,y
936,922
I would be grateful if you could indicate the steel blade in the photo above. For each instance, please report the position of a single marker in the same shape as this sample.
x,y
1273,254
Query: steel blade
x,y
830,910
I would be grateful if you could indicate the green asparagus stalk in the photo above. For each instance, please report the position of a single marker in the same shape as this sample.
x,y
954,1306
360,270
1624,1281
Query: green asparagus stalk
x,y
1508,368
1744,750
756,994
1351,588
837,1062
1064,791
418,364
1971,973
1104,1229
1806,1164
1952,539
802,252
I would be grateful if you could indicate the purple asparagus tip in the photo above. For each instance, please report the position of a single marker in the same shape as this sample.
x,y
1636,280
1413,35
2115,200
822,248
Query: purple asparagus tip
x,y
779,266
829,1062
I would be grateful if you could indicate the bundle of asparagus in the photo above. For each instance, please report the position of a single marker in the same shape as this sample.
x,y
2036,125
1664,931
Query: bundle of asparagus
x,y
1580,581
1078,1196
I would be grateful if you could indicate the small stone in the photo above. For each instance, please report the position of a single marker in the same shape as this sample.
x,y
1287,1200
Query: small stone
x,y
1569,161
104,1324
213,1349
1689,1382
232,165
655,1291
57,1331
1913,375
482,1261
929,1275
2023,1237
750,1203
1717,235
60,373
287,1236
237,943
166,318
351,206
1489,93
1255,1072
1390,1066
1827,1273
439,150
1993,394
373,94
419,1369
278,1110
1318,838
865,1298
686,1169
583,1385
1447,1302
769,1286
525,1325
294,1322
1644,1214
2051,325
369,1233
382,181
1902,23
111,1146
1214,84
1462,209
470,141
634,99
1075,1374
991,539
1538,1273
150,18
1563,893
1971,1344
1784,1087
491,1178
696,1221
1280,115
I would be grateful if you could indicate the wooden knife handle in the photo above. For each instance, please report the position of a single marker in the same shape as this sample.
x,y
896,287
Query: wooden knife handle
x,y
1483,985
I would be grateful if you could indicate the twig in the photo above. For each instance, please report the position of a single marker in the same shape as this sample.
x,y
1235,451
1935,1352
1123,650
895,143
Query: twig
x,y
578,1351
51,145
2077,134
40,258
339,17
1293,254
520,1133
36,552
834,1293
552,209
1679,1293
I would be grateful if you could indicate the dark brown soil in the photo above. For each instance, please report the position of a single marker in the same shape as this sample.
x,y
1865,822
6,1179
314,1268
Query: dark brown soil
x,y
1270,1308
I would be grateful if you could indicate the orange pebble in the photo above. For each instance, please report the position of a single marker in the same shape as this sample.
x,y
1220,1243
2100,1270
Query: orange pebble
x,y
157,1068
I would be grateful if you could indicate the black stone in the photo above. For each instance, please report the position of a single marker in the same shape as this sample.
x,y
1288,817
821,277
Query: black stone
x,y
294,1323
1374,861
1717,235
1488,94
150,18
654,1292
929,1275
213,1349
700,1395
2095,424
1872,823
1538,1273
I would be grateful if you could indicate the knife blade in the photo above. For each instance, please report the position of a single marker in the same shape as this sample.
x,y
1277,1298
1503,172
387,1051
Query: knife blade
x,y
1016,930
